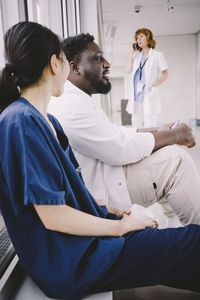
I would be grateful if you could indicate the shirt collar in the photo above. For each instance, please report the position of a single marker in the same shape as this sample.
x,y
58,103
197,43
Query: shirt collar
x,y
69,86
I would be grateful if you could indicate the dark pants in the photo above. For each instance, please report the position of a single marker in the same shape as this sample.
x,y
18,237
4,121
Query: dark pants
x,y
152,257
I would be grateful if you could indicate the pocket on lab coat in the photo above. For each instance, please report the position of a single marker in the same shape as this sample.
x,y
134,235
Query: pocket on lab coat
x,y
152,101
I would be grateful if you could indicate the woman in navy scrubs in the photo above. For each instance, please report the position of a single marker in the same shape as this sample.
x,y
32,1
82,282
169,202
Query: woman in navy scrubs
x,y
68,244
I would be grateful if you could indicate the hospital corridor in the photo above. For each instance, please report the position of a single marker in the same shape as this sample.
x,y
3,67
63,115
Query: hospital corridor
x,y
99,149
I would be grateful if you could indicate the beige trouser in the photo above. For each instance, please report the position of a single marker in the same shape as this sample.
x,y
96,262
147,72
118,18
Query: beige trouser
x,y
169,176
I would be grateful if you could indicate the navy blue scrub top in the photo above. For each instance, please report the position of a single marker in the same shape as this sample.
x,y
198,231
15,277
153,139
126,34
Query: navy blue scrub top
x,y
37,169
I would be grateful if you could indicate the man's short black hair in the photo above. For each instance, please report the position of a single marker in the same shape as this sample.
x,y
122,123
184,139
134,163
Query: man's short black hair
x,y
74,45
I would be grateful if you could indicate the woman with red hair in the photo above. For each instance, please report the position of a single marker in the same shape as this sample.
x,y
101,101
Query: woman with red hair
x,y
149,69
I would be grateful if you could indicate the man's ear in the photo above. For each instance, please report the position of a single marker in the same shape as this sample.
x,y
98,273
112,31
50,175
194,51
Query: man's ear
x,y
54,64
74,67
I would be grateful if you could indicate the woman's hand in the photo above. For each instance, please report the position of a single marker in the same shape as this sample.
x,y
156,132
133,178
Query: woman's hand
x,y
162,78
129,223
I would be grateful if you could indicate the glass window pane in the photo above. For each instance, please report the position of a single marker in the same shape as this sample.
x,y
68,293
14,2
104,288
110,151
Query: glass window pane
x,y
9,13
2,61
47,13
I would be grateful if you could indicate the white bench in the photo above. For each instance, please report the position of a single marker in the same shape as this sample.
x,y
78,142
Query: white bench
x,y
29,291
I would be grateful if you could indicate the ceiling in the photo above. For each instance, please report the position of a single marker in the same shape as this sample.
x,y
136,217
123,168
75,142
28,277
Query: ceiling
x,y
163,17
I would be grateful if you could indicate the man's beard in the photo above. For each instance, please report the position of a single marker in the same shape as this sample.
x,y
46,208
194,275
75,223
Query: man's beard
x,y
100,87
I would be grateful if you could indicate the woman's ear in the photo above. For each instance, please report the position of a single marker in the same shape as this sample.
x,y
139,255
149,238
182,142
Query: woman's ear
x,y
74,67
54,64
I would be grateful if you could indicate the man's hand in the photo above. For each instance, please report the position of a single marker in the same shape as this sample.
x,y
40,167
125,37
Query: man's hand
x,y
114,210
184,135
117,211
181,135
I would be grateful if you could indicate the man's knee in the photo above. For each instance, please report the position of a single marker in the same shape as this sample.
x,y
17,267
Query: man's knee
x,y
183,155
174,152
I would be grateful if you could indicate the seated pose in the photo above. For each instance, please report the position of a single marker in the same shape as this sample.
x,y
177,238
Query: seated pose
x,y
68,244
119,165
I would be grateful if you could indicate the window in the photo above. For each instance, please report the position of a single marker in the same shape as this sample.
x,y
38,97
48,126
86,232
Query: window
x,y
11,12
47,13
6,248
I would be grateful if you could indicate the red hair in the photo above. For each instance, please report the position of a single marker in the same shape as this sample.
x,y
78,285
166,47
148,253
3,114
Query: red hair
x,y
151,42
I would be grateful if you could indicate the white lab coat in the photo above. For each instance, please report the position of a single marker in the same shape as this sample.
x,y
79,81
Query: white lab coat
x,y
154,67
100,147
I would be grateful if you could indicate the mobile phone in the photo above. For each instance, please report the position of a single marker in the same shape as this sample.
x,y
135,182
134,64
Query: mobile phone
x,y
135,46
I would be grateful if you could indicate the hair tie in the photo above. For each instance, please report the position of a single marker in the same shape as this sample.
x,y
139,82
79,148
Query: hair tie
x,y
8,67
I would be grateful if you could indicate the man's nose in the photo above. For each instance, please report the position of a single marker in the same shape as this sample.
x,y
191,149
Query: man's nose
x,y
106,64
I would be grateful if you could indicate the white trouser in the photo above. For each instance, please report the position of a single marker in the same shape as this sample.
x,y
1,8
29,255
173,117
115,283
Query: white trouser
x,y
139,119
170,175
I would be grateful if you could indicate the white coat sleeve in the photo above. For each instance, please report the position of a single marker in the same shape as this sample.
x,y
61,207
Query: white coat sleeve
x,y
91,133
162,64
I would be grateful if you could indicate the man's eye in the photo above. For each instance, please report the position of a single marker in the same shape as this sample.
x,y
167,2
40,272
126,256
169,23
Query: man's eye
x,y
99,58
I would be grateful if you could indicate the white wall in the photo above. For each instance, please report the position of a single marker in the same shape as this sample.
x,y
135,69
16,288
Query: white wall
x,y
198,76
117,93
178,92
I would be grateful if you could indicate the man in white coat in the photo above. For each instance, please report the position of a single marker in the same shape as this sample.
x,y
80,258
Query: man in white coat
x,y
120,165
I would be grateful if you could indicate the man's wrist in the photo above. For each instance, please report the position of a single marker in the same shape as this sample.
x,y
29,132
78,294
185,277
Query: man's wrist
x,y
176,135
